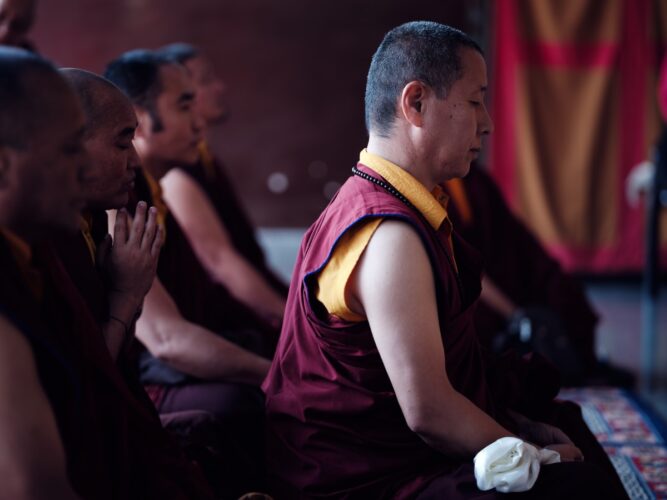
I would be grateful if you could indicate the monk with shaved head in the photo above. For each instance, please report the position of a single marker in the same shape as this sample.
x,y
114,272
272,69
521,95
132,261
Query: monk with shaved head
x,y
70,426
203,200
41,126
113,278
205,350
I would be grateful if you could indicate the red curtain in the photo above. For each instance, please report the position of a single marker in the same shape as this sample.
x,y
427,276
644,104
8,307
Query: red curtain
x,y
575,109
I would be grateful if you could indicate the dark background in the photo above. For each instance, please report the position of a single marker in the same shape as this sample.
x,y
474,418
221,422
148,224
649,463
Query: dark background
x,y
295,71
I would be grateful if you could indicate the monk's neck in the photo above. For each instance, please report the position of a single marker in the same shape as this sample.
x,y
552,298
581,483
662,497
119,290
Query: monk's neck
x,y
402,154
158,169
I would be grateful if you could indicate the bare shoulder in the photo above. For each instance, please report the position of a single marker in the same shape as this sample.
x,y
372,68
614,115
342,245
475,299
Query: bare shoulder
x,y
395,244
399,233
393,270
32,457
15,353
179,182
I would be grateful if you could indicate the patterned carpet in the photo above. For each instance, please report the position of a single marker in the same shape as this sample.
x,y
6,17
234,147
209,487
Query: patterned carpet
x,y
632,436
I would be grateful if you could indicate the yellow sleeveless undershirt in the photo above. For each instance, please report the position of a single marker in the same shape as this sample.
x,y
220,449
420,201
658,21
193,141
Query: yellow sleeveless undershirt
x,y
332,279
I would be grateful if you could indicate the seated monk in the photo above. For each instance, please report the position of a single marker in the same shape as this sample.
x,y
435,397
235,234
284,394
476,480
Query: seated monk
x,y
520,276
204,202
112,278
73,429
206,351
379,388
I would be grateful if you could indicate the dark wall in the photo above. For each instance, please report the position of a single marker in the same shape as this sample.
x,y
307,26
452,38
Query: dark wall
x,y
295,70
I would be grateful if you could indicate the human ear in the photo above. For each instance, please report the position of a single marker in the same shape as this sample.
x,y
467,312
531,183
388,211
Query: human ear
x,y
411,103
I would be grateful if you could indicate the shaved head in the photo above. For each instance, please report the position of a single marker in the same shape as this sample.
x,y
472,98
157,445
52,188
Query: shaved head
x,y
16,19
42,161
28,84
109,131
103,103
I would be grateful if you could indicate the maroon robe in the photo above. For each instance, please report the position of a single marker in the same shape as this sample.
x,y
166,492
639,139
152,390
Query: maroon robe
x,y
74,254
199,299
520,266
335,425
238,407
335,428
110,439
218,187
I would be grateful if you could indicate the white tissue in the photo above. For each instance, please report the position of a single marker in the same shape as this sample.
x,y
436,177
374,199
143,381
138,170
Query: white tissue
x,y
510,465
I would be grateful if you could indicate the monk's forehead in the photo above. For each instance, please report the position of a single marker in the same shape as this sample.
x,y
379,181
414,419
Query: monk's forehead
x,y
175,78
107,107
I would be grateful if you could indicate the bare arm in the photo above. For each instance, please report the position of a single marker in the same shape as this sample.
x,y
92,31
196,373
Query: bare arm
x,y
32,458
393,286
192,349
211,243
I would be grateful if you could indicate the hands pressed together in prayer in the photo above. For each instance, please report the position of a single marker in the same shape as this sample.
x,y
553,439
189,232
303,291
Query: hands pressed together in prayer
x,y
130,263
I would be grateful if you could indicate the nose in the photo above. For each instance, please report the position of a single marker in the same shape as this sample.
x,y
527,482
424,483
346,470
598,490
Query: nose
x,y
198,123
486,123
133,162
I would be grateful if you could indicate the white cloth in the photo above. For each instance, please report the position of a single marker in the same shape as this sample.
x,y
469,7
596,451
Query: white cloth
x,y
511,465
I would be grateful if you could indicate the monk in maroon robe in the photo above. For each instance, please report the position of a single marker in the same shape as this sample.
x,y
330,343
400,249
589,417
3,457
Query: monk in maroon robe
x,y
70,430
379,387
205,349
203,200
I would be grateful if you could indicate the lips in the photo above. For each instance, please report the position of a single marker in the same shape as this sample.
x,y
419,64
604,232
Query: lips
x,y
129,183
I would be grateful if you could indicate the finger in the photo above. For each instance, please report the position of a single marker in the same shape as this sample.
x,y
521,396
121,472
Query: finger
x,y
138,224
120,227
157,242
151,229
567,452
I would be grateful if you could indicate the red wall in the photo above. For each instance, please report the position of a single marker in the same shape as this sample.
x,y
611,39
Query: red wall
x,y
295,70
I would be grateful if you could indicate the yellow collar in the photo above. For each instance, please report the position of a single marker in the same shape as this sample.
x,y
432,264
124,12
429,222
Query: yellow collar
x,y
207,160
432,205
156,195
85,223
